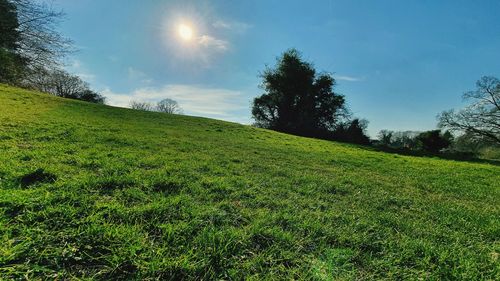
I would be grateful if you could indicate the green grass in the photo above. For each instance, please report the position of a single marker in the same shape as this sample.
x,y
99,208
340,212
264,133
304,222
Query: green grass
x,y
96,192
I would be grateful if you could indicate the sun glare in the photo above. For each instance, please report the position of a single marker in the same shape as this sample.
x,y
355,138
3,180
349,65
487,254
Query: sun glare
x,y
185,32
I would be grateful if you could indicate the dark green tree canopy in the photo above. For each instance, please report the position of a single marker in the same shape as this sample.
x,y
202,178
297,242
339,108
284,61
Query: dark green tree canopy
x,y
297,100
8,26
434,141
11,63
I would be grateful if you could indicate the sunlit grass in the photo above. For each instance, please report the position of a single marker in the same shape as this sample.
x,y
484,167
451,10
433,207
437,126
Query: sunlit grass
x,y
95,192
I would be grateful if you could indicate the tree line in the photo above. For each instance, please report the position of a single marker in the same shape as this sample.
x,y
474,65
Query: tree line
x,y
300,101
165,105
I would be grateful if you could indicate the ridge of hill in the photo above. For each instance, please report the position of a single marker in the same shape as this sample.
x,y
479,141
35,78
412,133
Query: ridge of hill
x,y
97,192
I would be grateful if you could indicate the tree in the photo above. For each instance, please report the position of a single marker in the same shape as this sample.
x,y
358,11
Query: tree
x,y
39,42
66,85
168,106
29,40
138,105
352,131
385,137
62,84
8,25
296,100
11,62
482,117
433,141
91,96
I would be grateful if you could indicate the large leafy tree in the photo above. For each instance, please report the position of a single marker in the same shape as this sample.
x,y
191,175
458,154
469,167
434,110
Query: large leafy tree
x,y
481,119
297,100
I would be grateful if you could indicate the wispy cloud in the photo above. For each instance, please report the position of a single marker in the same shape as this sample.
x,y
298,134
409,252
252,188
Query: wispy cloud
x,y
135,74
213,43
77,68
235,26
347,78
194,100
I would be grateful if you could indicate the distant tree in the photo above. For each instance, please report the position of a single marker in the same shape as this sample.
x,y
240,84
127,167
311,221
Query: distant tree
x,y
91,96
353,131
405,140
66,85
399,140
168,106
138,105
62,84
481,119
297,100
385,137
434,141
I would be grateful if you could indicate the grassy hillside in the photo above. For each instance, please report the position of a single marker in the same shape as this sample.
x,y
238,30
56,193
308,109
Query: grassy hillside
x,y
96,192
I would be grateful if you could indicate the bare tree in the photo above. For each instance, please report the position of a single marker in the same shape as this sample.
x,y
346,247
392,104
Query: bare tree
x,y
481,119
63,84
66,85
139,105
39,43
168,106
57,82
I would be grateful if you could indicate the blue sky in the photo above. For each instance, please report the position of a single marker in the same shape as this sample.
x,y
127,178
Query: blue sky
x,y
399,63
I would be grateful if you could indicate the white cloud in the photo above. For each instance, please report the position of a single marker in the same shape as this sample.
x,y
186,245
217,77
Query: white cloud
x,y
214,43
347,78
77,68
88,77
235,26
134,73
194,100
137,75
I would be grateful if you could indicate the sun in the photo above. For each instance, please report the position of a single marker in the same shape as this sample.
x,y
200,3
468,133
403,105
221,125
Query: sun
x,y
185,32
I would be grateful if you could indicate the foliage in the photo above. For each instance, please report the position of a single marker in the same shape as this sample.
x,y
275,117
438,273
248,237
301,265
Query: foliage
x,y
481,119
476,146
399,140
434,141
352,132
11,67
11,63
8,26
114,194
297,100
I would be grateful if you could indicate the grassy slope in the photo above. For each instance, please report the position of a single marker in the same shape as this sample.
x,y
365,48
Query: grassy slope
x,y
129,194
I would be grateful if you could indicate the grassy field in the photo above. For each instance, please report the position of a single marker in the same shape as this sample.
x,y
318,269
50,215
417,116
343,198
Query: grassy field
x,y
96,192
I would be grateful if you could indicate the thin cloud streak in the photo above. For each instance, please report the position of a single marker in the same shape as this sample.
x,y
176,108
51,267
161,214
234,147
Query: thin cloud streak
x,y
213,43
347,78
235,26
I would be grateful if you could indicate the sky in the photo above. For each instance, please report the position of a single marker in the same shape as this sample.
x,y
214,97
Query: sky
x,y
398,63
